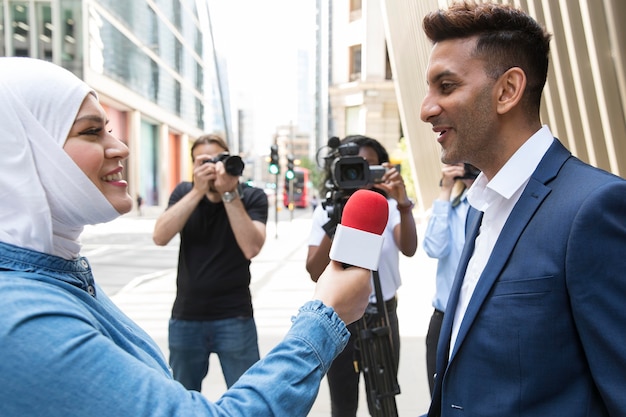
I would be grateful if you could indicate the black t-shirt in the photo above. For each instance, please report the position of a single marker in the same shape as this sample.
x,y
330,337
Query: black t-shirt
x,y
213,274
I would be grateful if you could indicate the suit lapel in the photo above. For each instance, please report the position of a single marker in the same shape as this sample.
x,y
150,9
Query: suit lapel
x,y
521,214
530,200
528,203
474,218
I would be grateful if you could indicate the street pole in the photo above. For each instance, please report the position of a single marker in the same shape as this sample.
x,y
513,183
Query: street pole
x,y
291,200
276,206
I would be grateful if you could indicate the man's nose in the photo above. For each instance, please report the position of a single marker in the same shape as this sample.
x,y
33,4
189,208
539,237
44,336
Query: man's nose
x,y
429,108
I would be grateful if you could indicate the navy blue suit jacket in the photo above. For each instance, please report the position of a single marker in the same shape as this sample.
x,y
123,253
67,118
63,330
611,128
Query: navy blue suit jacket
x,y
544,334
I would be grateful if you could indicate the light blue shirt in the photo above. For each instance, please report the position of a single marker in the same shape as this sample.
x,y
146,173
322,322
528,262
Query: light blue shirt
x,y
444,240
67,350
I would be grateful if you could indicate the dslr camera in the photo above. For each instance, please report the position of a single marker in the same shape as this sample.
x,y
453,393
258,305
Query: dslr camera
x,y
232,163
349,171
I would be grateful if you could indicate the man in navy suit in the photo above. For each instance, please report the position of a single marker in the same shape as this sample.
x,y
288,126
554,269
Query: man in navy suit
x,y
536,320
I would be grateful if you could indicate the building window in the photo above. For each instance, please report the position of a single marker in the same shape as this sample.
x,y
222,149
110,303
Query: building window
x,y
353,120
355,9
355,62
44,37
2,51
71,45
31,30
21,30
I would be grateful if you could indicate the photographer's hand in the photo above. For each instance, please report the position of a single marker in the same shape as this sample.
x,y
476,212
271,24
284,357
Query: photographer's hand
x,y
172,220
449,173
203,174
223,181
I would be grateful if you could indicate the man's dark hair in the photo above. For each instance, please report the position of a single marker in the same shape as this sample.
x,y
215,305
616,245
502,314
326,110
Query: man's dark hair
x,y
207,140
507,37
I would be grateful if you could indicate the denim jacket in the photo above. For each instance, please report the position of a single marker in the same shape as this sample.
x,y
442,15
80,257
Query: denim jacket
x,y
67,350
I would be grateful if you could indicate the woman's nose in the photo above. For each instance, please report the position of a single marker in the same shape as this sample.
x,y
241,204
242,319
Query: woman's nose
x,y
116,148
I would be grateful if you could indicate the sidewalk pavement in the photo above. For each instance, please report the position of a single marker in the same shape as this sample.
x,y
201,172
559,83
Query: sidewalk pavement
x,y
280,285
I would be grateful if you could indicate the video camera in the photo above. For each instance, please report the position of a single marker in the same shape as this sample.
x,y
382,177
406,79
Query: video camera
x,y
346,172
233,164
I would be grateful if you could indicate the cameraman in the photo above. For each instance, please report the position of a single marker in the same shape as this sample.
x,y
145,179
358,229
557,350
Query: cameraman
x,y
400,235
222,226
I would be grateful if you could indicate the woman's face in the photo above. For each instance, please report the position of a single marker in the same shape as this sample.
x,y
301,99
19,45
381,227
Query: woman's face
x,y
369,154
99,154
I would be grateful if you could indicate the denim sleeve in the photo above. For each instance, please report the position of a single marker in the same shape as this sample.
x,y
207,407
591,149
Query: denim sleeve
x,y
66,358
287,380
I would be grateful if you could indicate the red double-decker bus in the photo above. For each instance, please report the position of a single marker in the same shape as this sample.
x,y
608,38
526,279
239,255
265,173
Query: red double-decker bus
x,y
301,188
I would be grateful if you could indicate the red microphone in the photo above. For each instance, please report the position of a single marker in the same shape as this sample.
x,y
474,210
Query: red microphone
x,y
358,239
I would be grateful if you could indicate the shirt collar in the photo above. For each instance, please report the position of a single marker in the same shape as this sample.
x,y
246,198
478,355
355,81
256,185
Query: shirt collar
x,y
514,174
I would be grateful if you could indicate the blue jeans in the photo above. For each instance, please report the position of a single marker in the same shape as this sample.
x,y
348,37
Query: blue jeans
x,y
191,342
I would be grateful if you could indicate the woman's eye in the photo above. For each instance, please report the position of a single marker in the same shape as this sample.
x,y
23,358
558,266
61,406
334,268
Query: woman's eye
x,y
92,131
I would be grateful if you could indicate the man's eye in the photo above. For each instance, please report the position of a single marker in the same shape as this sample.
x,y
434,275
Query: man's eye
x,y
447,87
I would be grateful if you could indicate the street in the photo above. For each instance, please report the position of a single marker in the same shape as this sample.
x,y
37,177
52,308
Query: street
x,y
140,278
123,251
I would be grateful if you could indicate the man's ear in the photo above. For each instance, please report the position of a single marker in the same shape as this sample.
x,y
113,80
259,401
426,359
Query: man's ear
x,y
510,88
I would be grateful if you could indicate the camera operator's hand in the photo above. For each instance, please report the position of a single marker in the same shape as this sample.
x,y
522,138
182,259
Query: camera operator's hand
x,y
345,290
393,184
330,227
404,234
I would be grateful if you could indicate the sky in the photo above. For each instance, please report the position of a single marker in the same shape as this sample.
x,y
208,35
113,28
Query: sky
x,y
261,40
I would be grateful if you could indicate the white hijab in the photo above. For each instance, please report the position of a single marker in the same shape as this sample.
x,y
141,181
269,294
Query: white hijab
x,y
45,198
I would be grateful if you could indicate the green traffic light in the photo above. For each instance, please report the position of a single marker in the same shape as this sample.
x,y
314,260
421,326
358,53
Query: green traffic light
x,y
273,169
289,175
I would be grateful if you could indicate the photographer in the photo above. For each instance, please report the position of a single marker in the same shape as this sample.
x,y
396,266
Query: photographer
x,y
222,227
400,235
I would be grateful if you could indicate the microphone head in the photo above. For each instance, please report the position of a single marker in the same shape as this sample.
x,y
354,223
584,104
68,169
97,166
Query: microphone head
x,y
334,142
366,210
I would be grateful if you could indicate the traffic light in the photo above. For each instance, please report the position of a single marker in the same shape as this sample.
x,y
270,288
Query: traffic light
x,y
290,174
274,167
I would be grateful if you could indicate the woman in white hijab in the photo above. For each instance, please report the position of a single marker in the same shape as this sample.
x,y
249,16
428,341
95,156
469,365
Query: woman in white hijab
x,y
66,349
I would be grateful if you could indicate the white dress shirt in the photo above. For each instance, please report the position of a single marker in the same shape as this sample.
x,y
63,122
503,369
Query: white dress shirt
x,y
496,199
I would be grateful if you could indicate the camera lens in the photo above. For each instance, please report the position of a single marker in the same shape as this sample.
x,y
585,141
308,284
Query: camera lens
x,y
352,172
233,165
